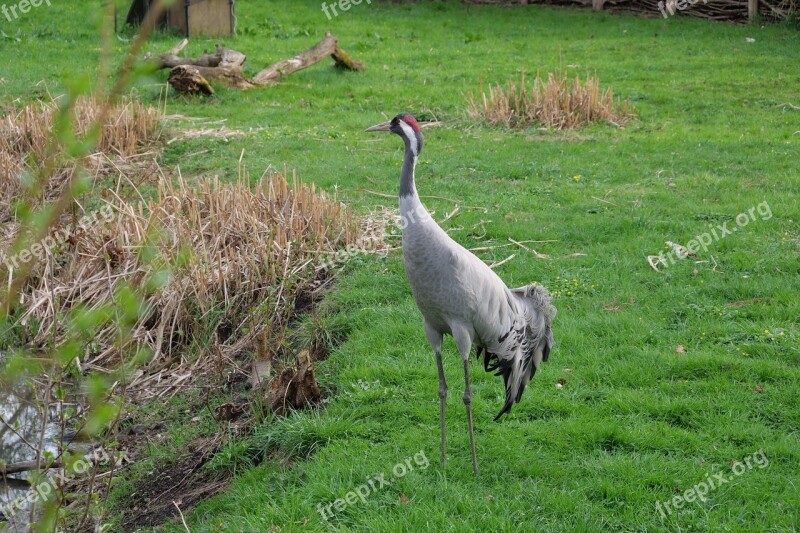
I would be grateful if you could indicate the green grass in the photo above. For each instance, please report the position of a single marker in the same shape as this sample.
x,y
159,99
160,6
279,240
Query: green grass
x,y
636,421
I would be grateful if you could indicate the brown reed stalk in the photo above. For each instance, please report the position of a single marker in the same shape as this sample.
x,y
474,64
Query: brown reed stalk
x,y
555,102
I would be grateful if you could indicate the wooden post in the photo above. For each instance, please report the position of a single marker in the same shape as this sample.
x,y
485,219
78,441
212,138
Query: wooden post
x,y
597,5
752,10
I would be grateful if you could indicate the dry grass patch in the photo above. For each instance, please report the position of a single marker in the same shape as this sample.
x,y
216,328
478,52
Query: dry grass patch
x,y
237,258
555,102
26,145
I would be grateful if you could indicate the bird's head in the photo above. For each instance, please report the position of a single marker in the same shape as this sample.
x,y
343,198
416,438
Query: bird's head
x,y
406,127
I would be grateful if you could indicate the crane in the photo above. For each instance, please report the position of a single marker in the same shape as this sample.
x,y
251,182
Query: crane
x,y
459,295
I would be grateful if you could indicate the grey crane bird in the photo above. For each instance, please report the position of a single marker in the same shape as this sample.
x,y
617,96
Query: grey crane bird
x,y
459,295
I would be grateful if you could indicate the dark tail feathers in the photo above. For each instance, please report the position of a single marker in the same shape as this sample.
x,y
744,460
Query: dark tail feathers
x,y
539,314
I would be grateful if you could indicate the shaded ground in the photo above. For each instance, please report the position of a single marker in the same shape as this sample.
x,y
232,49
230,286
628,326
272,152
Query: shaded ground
x,y
181,484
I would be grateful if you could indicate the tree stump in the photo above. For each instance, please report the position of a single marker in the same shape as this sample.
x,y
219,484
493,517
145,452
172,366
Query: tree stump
x,y
188,80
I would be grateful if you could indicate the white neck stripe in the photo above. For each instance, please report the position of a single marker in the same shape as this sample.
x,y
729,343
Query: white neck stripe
x,y
411,135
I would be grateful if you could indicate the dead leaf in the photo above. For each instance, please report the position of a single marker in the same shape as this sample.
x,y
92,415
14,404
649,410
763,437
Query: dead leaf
x,y
680,349
404,499
758,388
567,371
614,305
562,381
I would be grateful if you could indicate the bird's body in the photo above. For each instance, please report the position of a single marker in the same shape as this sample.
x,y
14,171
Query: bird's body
x,y
459,295
439,271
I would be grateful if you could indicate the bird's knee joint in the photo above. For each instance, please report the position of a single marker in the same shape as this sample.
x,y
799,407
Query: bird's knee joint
x,y
443,391
467,398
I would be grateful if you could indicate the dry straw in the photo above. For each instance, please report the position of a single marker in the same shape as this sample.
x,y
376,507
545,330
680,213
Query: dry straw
x,y
245,255
25,144
554,103
237,255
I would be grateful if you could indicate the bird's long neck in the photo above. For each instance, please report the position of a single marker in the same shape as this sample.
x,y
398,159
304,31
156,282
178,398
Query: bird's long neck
x,y
407,186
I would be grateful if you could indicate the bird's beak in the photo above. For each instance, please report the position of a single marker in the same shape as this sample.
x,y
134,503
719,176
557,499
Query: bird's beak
x,y
380,127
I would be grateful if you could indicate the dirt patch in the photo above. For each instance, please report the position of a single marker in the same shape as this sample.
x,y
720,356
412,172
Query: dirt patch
x,y
184,483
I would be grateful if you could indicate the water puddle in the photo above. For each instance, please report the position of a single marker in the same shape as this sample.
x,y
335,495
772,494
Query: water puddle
x,y
22,431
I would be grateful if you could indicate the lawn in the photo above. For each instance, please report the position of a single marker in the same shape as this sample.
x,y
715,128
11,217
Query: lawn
x,y
667,379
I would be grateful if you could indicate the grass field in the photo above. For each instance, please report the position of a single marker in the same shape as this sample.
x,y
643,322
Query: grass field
x,y
670,378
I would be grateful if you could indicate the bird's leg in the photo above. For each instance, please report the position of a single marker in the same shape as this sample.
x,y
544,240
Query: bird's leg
x,y
442,400
468,404
435,339
463,338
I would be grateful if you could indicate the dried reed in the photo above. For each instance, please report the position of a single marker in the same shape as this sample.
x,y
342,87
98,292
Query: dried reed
x,y
555,103
246,254
25,139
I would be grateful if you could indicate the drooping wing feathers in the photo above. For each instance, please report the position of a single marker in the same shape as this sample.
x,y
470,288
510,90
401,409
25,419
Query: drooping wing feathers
x,y
529,345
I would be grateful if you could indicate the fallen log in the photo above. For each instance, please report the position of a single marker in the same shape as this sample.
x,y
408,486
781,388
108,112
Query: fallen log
x,y
191,75
223,58
328,46
27,466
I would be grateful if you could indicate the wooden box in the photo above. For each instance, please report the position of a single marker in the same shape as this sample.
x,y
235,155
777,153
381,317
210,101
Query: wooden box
x,y
191,17
202,17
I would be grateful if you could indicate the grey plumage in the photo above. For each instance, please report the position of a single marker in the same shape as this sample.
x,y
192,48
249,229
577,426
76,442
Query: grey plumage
x,y
459,295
